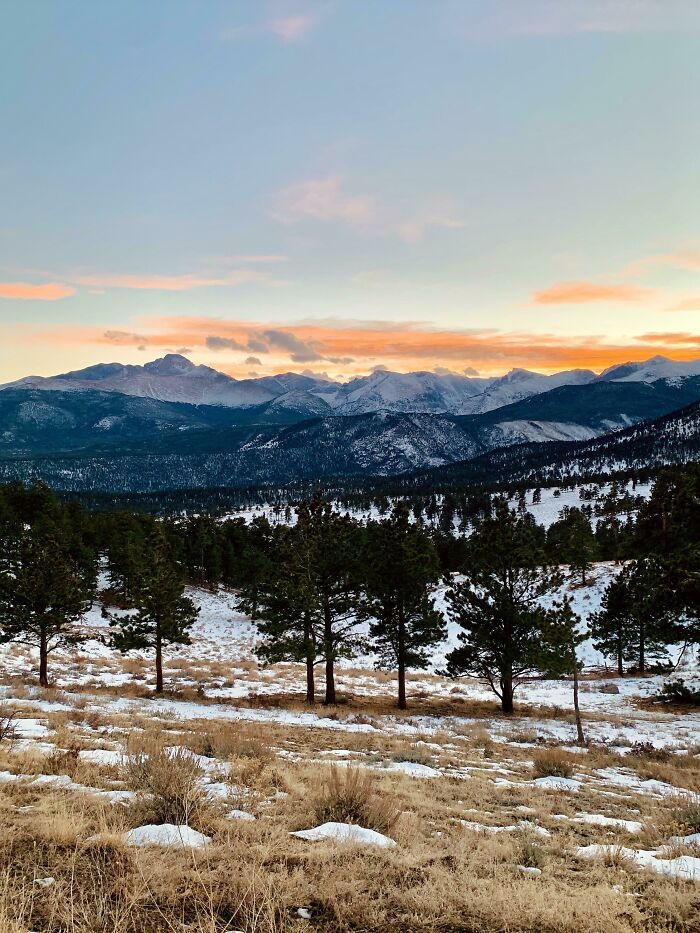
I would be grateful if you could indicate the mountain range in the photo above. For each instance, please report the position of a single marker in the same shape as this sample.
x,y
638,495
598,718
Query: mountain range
x,y
171,424
173,378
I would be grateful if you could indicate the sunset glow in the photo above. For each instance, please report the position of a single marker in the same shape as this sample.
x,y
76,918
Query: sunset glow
x,y
489,190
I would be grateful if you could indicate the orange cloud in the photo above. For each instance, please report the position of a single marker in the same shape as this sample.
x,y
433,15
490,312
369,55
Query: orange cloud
x,y
687,259
24,291
688,304
169,283
352,348
671,338
568,293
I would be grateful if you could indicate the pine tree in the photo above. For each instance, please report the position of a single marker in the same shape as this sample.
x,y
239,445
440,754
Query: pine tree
x,y
43,593
559,655
611,627
288,613
571,541
636,620
402,566
162,614
498,605
309,601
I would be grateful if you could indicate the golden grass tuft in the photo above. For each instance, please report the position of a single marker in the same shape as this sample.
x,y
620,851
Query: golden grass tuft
x,y
351,795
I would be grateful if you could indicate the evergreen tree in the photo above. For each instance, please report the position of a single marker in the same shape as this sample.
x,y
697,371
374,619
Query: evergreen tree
x,y
43,593
571,541
162,614
499,605
635,621
560,643
288,612
309,601
402,567
611,627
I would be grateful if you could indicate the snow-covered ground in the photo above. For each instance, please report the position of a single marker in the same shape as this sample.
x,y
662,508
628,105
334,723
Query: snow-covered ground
x,y
218,676
553,501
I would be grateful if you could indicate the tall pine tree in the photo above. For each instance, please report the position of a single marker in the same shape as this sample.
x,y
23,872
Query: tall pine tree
x,y
44,592
499,604
402,567
161,615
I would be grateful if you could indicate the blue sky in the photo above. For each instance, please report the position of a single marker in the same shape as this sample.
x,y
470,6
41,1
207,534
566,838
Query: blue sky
x,y
468,185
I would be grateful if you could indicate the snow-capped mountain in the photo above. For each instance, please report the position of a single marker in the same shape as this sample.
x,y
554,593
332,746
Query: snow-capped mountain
x,y
520,384
658,367
405,392
175,379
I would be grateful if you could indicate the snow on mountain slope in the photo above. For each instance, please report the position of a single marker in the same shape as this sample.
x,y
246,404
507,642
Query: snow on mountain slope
x,y
405,392
517,432
175,379
520,384
658,367
170,379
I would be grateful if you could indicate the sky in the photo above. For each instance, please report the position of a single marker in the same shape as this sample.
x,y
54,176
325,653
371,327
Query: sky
x,y
339,185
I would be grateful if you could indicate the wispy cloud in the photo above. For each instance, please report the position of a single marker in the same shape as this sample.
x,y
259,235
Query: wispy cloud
x,y
289,26
26,291
355,347
687,259
509,19
291,29
168,283
687,304
322,199
439,216
569,293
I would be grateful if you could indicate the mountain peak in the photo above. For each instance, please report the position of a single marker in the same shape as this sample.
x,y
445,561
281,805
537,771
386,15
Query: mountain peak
x,y
172,364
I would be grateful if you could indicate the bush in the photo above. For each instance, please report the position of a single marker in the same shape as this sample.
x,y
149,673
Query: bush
x,y
553,763
349,795
531,854
649,752
677,691
8,732
169,783
687,818
234,741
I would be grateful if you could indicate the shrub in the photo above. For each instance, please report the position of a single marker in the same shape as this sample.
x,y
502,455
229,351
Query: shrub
x,y
349,795
677,691
8,732
531,854
63,761
169,783
687,818
649,752
553,763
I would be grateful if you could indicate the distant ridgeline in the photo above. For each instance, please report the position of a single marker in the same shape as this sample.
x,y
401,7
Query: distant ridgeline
x,y
97,432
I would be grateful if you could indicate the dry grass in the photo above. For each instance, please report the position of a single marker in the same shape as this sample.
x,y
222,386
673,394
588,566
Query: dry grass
x,y
553,763
254,877
351,795
169,788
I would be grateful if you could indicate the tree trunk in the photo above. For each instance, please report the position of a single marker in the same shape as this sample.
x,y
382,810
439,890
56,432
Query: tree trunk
x,y
580,737
159,661
642,646
310,683
507,694
43,661
310,659
328,648
620,659
402,660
